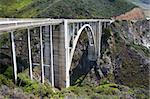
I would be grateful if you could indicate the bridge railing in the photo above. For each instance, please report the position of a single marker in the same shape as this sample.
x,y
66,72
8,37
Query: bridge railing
x,y
12,24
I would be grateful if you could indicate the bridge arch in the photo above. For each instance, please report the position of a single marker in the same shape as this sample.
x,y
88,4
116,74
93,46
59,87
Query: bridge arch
x,y
91,39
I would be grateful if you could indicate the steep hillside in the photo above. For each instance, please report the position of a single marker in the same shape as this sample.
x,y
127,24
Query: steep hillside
x,y
64,8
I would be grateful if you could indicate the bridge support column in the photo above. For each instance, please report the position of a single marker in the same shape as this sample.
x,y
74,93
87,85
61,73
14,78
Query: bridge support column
x,y
41,50
99,38
73,31
51,51
14,56
30,56
67,53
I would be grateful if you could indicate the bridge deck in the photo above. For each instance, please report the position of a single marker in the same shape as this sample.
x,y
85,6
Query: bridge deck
x,y
14,24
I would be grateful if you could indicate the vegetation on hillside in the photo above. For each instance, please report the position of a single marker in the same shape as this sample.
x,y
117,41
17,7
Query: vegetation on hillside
x,y
33,89
64,8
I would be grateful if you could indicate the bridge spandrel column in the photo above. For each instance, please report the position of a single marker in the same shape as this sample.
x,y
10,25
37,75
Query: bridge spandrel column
x,y
59,56
99,36
30,54
51,55
41,55
14,56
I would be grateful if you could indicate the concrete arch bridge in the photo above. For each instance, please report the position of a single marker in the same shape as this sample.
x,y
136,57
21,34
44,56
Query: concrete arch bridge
x,y
56,52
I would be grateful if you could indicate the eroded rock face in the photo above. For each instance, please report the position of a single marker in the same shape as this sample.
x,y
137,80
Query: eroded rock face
x,y
128,52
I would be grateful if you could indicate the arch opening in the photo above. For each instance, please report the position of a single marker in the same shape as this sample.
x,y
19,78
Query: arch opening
x,y
82,59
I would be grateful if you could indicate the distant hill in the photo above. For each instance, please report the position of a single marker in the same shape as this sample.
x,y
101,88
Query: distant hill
x,y
144,4
64,8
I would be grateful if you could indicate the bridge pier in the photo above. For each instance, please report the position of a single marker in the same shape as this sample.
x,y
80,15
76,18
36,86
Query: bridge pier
x,y
59,56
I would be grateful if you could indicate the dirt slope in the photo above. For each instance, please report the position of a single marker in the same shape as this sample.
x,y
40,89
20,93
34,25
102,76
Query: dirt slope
x,y
134,14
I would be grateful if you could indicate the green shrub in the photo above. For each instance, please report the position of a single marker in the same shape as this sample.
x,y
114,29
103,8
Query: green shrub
x,y
108,89
5,81
98,96
9,72
103,82
76,90
35,87
141,93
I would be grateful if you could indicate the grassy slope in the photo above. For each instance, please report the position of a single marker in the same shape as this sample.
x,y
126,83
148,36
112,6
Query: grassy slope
x,y
63,8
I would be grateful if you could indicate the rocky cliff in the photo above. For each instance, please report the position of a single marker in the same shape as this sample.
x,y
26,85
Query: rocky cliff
x,y
130,52
126,58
